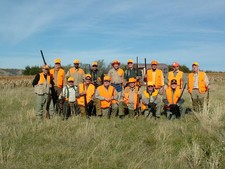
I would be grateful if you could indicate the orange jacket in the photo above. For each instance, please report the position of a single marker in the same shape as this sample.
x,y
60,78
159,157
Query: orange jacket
x,y
107,94
60,77
201,82
73,70
42,79
178,77
90,91
158,77
171,97
126,96
147,95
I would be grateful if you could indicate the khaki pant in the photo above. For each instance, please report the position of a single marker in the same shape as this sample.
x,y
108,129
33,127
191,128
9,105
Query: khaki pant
x,y
41,106
122,107
109,112
198,100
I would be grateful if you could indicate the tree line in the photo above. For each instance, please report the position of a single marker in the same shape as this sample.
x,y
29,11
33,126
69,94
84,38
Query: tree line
x,y
103,68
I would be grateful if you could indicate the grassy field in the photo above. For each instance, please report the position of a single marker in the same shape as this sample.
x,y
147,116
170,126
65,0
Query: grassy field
x,y
197,141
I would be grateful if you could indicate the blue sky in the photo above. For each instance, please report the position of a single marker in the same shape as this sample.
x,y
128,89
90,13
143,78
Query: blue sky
x,y
88,30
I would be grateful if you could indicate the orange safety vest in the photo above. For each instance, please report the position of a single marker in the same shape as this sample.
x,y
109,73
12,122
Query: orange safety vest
x,y
60,77
171,97
202,88
158,77
90,91
147,95
73,70
103,92
42,79
126,96
178,77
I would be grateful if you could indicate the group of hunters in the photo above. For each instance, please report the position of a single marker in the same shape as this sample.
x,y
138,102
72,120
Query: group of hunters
x,y
118,93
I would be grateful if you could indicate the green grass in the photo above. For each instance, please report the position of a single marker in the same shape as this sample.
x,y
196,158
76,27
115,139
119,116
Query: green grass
x,y
197,141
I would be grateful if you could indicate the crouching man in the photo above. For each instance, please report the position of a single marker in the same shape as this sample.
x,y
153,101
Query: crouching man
x,y
86,94
69,94
129,100
151,104
108,98
173,102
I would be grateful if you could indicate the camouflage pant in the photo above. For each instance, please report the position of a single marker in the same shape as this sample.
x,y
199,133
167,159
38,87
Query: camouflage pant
x,y
69,108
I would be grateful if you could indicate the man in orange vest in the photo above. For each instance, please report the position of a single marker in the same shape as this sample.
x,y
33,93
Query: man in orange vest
x,y
108,98
129,99
86,94
76,72
117,77
156,76
198,84
173,101
151,102
176,74
58,75
69,94
42,84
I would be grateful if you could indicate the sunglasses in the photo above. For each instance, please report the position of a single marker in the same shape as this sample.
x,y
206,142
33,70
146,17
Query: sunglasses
x,y
71,81
150,86
106,81
94,66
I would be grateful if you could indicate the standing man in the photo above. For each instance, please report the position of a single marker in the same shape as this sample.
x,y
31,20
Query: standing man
x,y
178,75
108,98
69,94
76,72
151,103
198,84
130,99
117,77
42,84
85,99
173,101
131,72
58,75
156,76
95,75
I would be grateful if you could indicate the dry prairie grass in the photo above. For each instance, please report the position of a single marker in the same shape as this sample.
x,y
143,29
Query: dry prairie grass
x,y
197,141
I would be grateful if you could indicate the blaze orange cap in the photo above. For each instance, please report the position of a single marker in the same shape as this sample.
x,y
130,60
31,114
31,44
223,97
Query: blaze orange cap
x,y
195,63
130,61
115,61
76,61
57,60
154,62
70,79
94,63
131,80
107,78
150,83
88,75
175,64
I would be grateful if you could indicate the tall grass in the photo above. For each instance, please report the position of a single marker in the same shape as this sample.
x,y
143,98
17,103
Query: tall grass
x,y
197,141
